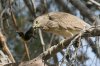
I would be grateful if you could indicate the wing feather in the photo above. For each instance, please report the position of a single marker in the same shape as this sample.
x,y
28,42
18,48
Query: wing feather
x,y
67,21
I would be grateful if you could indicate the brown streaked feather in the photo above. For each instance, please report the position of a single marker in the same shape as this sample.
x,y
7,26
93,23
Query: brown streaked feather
x,y
68,21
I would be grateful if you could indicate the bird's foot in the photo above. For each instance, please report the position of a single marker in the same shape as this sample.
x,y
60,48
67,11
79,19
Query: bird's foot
x,y
62,42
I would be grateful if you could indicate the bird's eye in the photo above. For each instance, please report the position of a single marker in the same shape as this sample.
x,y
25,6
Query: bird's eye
x,y
36,22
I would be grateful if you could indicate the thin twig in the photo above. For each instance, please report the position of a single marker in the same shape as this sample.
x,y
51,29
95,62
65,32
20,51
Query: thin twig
x,y
33,7
42,41
1,19
96,3
14,21
26,49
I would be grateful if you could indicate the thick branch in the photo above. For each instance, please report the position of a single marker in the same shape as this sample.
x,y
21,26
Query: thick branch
x,y
5,48
96,3
84,10
30,6
64,6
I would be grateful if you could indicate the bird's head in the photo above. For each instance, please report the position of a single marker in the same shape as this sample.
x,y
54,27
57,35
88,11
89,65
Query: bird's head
x,y
40,22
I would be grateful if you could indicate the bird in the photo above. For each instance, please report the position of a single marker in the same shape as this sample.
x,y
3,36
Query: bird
x,y
60,23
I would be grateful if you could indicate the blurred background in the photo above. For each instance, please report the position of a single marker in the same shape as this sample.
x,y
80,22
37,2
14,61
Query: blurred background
x,y
18,15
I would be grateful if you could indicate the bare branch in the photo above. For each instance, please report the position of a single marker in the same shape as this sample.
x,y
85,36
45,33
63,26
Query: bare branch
x,y
26,49
96,3
41,38
64,6
85,11
30,7
5,47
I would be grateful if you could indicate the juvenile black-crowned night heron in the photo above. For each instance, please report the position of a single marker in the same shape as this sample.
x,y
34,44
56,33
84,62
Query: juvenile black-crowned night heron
x,y
60,23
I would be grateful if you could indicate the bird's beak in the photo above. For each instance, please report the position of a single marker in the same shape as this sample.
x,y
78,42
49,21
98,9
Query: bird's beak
x,y
34,28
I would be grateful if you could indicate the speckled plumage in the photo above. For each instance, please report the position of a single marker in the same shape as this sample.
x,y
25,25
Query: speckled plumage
x,y
60,23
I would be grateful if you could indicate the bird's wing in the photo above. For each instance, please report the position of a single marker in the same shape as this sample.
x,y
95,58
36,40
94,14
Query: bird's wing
x,y
67,21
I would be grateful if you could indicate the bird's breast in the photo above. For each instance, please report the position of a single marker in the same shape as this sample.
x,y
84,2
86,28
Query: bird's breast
x,y
63,32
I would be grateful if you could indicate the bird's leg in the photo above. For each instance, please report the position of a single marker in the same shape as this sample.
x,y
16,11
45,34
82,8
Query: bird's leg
x,y
51,40
62,41
69,34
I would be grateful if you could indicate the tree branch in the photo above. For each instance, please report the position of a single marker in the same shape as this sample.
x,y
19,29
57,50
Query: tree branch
x,y
85,11
30,7
5,48
96,3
